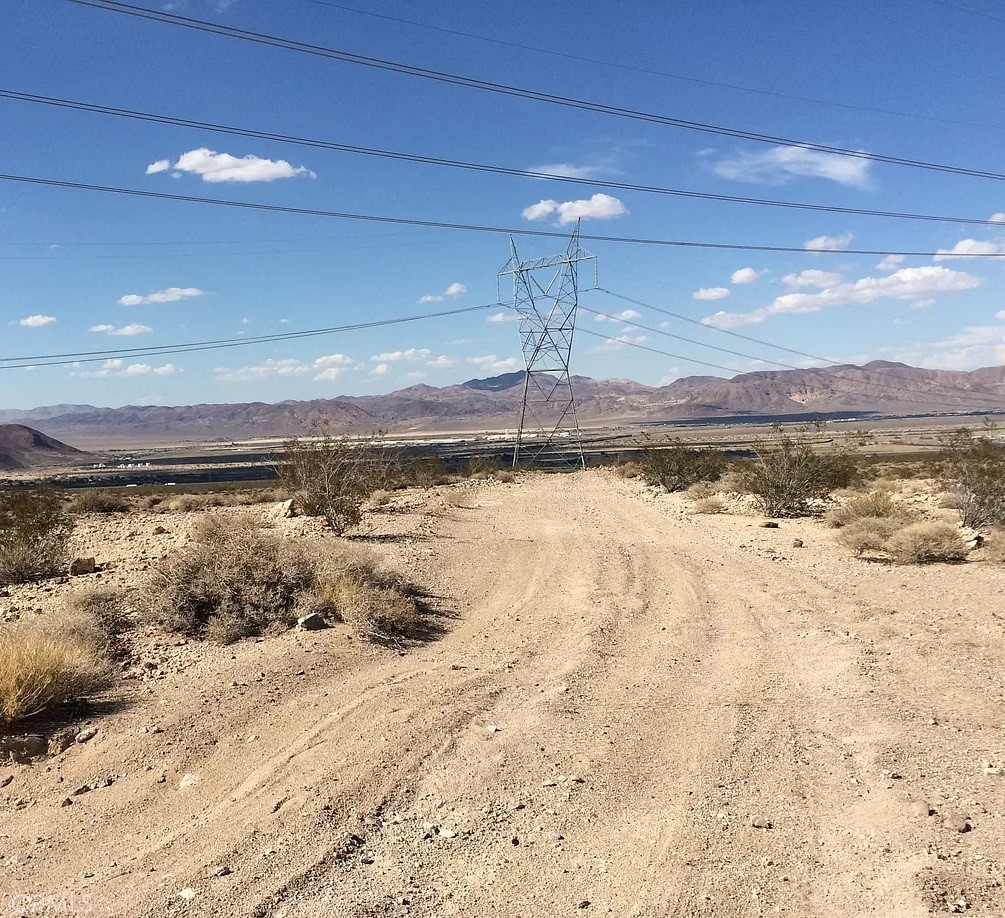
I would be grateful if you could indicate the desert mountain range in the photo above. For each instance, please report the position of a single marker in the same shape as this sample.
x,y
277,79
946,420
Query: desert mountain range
x,y
880,387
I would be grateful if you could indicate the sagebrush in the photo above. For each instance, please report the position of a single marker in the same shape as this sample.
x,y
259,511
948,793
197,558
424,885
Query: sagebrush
x,y
35,530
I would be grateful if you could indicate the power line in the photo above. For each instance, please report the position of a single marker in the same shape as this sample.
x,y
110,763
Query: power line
x,y
94,108
62,359
634,68
469,227
440,76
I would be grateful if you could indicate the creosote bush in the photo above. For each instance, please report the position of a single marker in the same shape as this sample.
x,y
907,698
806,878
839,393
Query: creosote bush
x,y
46,664
926,542
975,475
867,533
788,474
675,468
35,531
332,476
871,505
99,501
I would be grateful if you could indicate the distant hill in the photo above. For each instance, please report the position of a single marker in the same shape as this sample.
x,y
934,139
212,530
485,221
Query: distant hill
x,y
24,448
24,416
877,387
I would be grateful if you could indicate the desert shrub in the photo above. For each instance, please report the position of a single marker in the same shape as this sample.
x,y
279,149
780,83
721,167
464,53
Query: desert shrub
x,y
35,531
45,665
994,547
100,617
480,467
332,476
873,504
231,581
379,606
710,505
675,468
868,533
702,489
923,543
788,475
380,498
426,472
975,474
506,476
98,501
629,468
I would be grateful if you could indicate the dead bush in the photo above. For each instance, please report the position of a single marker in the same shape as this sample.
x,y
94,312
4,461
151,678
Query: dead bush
x,y
710,505
675,468
426,472
233,580
46,665
975,475
506,476
480,467
101,617
628,469
35,534
380,498
927,542
789,474
332,476
868,534
873,504
99,501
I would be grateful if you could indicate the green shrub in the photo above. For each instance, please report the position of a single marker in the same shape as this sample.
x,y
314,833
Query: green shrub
x,y
99,501
35,534
874,504
675,468
975,474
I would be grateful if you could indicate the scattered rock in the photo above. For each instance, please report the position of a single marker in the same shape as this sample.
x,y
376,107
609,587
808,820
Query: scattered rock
x,y
187,893
6,780
448,833
286,510
80,566
760,822
160,530
921,808
61,741
222,872
492,728
22,747
67,801
87,734
957,822
769,524
990,769
83,789
797,543
187,780
585,903
313,622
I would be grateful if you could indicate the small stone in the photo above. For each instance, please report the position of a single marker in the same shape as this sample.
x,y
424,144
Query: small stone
x,y
584,903
5,780
797,543
769,524
989,769
549,783
81,566
556,836
286,510
366,859
187,780
187,893
313,622
492,728
957,822
921,808
760,822
448,833
88,734
222,872
160,530
83,789
67,801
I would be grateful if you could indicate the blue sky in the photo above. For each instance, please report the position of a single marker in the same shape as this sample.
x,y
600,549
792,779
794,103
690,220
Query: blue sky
x,y
85,271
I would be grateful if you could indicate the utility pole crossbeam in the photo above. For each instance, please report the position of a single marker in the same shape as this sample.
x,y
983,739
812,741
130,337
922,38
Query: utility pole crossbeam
x,y
549,427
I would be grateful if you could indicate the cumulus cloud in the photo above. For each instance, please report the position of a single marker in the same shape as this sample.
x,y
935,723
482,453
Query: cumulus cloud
x,y
37,321
745,276
891,262
168,295
828,243
455,289
599,207
412,355
441,362
711,293
506,315
381,369
117,367
321,369
811,278
619,342
971,347
626,315
909,284
969,247
780,165
125,331
494,364
997,218
222,167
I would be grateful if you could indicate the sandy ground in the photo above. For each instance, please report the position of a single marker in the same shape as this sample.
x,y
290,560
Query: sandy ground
x,y
633,710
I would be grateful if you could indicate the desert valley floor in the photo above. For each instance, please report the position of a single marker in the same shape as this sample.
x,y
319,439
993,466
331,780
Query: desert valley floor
x,y
630,709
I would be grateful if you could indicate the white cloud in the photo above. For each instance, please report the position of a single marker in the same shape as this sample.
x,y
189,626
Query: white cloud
x,y
626,315
117,367
891,262
222,167
126,331
441,362
168,295
970,247
711,293
997,218
745,276
417,374
619,342
321,369
599,207
506,315
828,243
455,289
37,321
971,347
812,278
570,170
909,284
780,165
412,355
494,364
380,370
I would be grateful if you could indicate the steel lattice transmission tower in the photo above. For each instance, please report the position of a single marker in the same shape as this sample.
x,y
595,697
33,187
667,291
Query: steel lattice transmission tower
x,y
545,298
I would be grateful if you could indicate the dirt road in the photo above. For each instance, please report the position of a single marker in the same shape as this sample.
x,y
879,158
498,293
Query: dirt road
x,y
636,711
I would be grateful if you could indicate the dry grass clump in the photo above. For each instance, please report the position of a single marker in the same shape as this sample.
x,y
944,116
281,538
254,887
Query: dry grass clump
x,y
35,534
506,476
47,664
710,505
99,501
380,498
867,533
628,469
924,543
100,617
871,505
232,581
